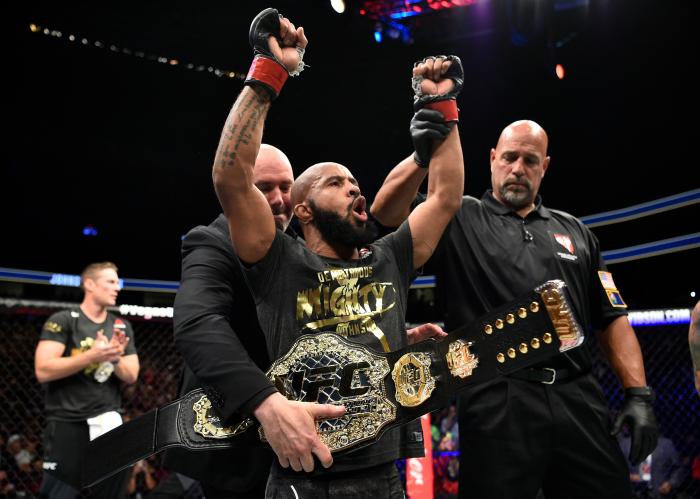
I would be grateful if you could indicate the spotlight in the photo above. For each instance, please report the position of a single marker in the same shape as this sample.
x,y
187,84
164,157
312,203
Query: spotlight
x,y
338,6
559,70
378,32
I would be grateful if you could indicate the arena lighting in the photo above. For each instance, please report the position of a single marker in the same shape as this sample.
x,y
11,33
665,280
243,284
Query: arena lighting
x,y
338,6
89,230
401,9
139,54
560,72
397,16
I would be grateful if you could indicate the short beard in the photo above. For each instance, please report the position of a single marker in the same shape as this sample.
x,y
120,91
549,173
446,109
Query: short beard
x,y
517,200
337,230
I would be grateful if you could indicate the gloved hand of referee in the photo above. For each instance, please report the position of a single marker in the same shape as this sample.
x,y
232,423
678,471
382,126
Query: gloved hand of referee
x,y
278,47
428,128
638,414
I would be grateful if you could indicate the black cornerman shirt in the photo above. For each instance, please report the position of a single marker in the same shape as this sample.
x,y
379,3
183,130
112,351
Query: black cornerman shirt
x,y
489,255
89,392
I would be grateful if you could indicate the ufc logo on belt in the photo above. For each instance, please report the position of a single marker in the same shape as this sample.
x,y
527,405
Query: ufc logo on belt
x,y
333,382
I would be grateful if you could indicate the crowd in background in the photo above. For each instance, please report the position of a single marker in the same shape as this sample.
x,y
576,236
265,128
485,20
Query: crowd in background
x,y
678,410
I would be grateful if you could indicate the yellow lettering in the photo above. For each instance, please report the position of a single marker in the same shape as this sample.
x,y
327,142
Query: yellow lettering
x,y
309,303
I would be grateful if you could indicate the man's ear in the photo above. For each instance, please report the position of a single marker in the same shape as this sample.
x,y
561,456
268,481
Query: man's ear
x,y
88,284
545,165
303,213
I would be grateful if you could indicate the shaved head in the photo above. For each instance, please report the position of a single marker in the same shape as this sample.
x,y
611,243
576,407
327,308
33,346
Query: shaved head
x,y
518,164
331,209
273,176
310,176
269,155
525,129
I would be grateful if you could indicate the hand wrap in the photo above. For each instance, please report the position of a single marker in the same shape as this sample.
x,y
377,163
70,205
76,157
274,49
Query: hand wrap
x,y
445,103
266,70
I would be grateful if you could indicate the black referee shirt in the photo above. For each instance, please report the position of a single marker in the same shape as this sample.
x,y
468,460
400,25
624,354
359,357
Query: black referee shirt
x,y
489,255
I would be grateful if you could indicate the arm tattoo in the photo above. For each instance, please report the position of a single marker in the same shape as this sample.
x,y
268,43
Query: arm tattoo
x,y
245,117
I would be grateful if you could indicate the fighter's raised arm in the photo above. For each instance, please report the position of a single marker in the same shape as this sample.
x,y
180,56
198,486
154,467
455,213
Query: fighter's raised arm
x,y
437,81
279,48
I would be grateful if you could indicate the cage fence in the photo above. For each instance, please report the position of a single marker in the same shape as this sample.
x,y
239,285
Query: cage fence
x,y
665,348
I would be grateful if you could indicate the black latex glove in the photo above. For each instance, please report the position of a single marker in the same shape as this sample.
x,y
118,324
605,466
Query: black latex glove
x,y
638,414
428,127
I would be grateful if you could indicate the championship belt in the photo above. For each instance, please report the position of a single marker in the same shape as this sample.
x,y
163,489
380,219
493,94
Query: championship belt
x,y
379,390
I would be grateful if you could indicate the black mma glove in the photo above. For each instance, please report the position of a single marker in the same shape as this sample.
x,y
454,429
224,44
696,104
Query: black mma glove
x,y
427,127
637,412
266,70
445,103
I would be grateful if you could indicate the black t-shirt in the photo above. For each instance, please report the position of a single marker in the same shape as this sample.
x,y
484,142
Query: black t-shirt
x,y
299,292
87,393
489,255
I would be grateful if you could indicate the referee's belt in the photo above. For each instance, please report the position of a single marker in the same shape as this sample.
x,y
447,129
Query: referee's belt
x,y
547,375
379,390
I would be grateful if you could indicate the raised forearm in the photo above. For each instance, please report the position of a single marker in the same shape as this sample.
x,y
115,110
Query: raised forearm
x,y
250,219
127,369
446,180
620,346
239,143
392,204
445,185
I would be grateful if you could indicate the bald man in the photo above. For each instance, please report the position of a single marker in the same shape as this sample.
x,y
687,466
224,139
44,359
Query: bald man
x,y
543,428
337,280
218,335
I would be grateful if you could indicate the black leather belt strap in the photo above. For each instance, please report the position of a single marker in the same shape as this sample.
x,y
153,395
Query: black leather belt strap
x,y
379,390
546,375
168,426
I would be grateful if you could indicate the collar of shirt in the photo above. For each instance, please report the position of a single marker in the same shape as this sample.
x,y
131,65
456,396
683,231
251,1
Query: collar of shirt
x,y
498,208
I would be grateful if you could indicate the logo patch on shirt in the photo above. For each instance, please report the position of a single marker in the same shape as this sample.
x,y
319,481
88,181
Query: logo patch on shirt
x,y
615,298
119,324
565,241
606,280
611,290
52,327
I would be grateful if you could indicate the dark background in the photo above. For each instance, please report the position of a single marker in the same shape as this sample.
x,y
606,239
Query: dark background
x,y
126,144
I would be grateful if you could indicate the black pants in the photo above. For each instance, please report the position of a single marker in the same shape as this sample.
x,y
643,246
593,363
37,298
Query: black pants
x,y
214,492
238,473
65,446
519,436
382,481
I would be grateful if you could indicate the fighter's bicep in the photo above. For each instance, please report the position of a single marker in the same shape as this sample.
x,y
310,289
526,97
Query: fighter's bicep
x,y
252,225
